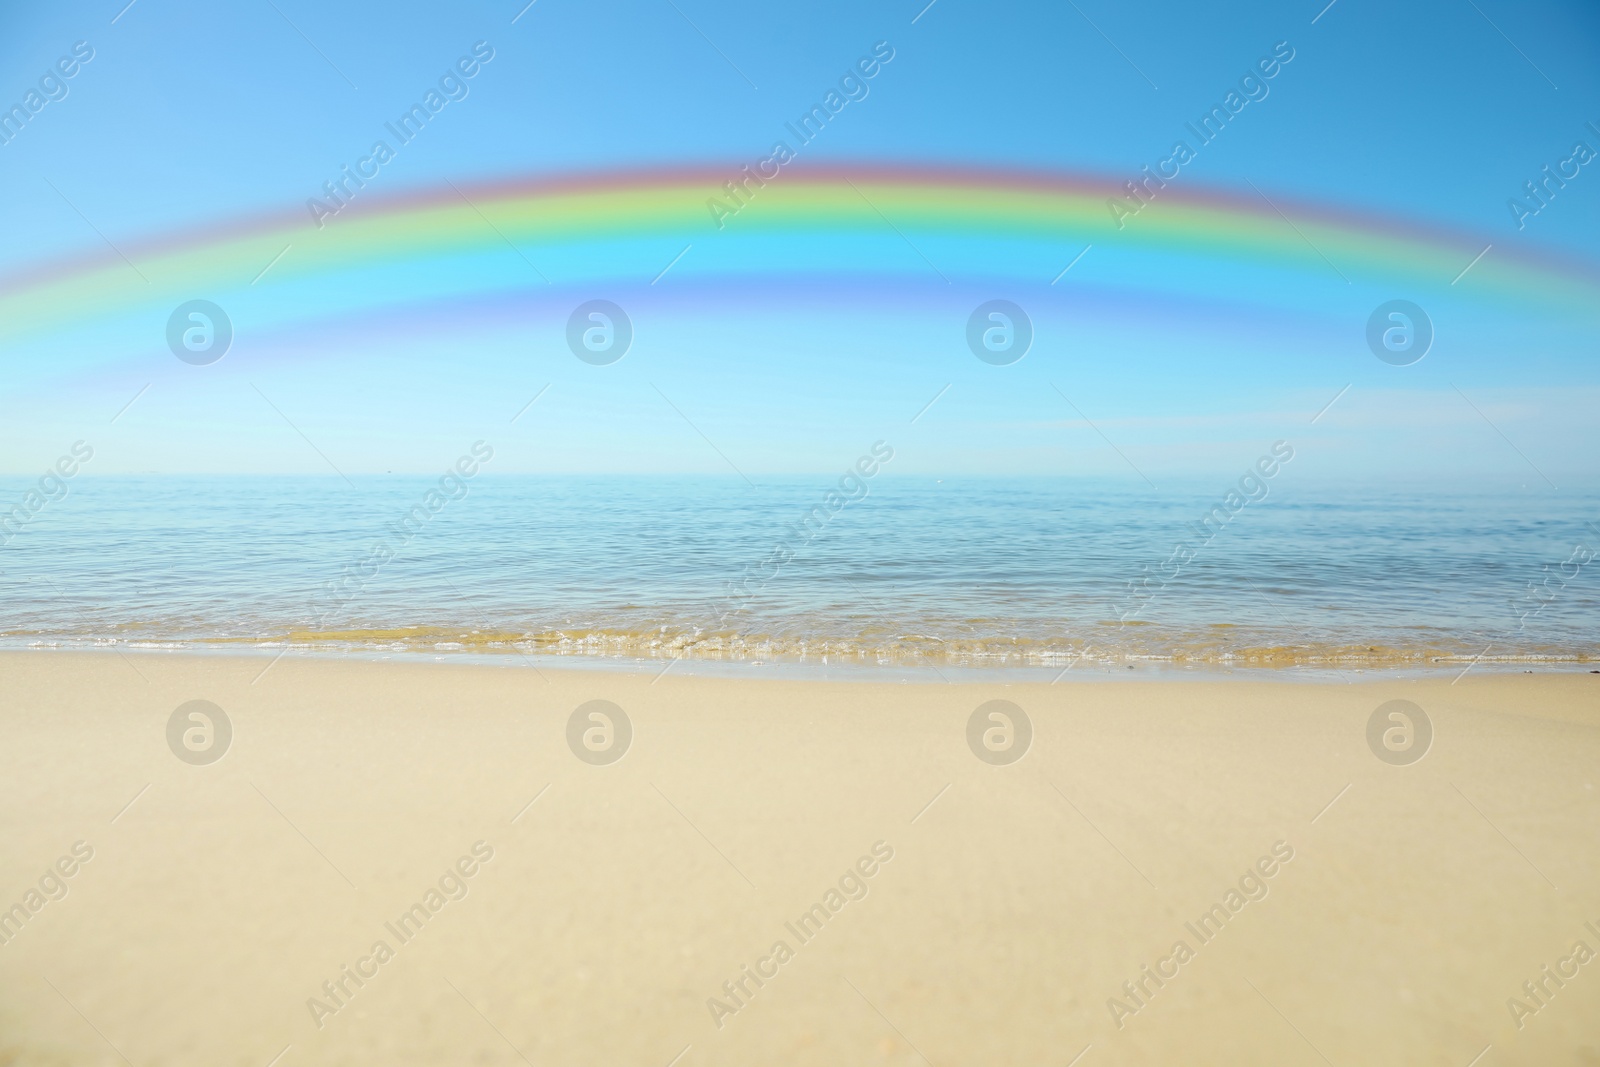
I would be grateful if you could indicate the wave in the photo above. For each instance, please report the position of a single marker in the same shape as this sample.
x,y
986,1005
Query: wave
x,y
1215,646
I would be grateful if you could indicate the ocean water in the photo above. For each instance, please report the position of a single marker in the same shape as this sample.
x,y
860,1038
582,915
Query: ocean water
x,y
904,570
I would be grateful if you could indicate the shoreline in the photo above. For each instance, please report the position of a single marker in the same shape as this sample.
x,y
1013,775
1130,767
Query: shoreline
x,y
833,668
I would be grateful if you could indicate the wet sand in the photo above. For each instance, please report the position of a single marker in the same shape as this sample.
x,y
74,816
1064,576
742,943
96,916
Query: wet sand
x,y
932,906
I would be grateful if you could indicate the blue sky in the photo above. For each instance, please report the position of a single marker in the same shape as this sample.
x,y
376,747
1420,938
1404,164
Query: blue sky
x,y
190,115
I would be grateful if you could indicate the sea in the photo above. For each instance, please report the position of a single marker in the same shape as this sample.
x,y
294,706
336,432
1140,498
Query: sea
x,y
1035,577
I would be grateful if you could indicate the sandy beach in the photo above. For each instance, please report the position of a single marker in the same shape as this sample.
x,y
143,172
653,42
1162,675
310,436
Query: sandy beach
x,y
875,535
429,827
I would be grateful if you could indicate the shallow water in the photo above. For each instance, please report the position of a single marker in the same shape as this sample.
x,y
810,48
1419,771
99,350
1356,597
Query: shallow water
x,y
992,572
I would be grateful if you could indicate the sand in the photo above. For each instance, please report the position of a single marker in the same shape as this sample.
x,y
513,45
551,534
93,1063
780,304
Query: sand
x,y
986,913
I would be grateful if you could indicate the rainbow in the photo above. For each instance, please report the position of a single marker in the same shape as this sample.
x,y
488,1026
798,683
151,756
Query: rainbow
x,y
887,234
